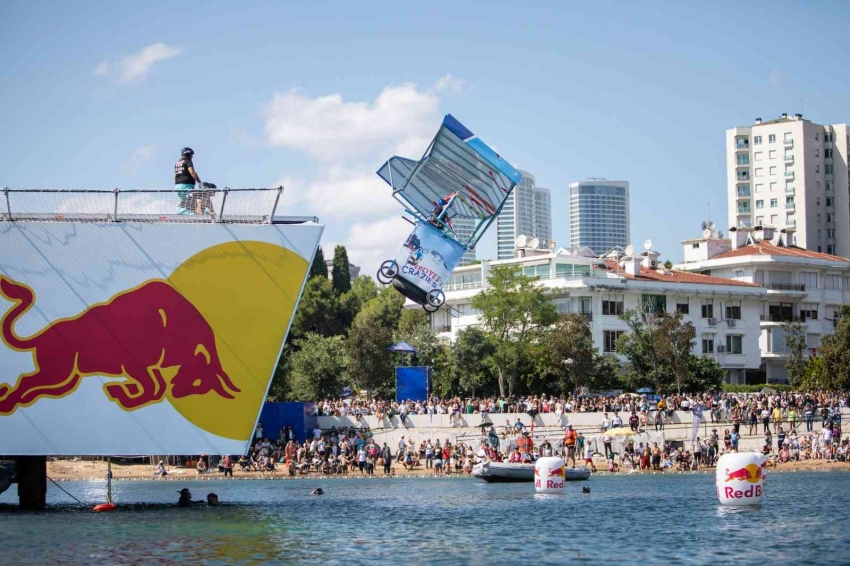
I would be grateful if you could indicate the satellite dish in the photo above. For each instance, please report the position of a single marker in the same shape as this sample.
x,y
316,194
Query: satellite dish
x,y
630,251
521,241
533,243
551,244
721,235
647,244
706,233
704,224
710,225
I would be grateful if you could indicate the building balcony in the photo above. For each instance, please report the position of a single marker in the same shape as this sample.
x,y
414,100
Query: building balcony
x,y
790,206
744,196
742,177
587,315
791,223
788,143
742,163
441,328
789,175
742,145
778,318
798,287
790,190
789,159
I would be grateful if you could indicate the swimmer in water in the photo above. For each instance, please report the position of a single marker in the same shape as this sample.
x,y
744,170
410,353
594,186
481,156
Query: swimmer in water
x,y
212,499
317,491
186,498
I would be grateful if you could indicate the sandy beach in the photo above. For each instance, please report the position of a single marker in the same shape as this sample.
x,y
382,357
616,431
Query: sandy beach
x,y
64,470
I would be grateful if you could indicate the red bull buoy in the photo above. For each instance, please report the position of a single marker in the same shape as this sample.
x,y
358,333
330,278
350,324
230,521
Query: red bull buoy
x,y
739,478
550,474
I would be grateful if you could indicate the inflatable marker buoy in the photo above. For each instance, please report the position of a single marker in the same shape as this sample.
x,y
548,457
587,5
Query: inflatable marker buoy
x,y
549,475
739,478
104,507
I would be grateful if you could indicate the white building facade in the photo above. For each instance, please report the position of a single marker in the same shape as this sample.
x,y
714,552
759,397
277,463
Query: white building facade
x,y
602,291
526,212
599,215
791,173
800,285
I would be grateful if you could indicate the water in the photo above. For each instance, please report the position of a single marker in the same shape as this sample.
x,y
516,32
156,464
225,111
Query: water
x,y
626,519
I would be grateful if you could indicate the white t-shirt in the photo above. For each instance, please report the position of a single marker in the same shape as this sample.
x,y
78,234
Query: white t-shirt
x,y
588,452
361,456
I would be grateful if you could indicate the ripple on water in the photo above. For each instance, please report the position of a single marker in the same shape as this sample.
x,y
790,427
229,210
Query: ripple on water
x,y
645,519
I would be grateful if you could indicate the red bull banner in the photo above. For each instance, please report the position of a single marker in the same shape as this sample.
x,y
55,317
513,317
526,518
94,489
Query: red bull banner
x,y
550,473
740,478
126,339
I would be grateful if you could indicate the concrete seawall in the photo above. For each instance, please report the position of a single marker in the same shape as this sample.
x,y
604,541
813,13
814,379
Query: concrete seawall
x,y
546,425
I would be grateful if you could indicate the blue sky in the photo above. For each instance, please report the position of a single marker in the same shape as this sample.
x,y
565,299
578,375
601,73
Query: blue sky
x,y
318,94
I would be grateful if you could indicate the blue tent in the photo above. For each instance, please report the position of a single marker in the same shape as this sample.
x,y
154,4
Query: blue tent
x,y
402,347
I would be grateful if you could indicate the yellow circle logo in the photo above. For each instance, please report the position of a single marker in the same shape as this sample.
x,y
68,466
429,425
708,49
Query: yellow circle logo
x,y
247,292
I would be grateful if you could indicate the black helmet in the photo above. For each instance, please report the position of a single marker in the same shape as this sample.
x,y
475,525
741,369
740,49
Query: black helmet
x,y
187,152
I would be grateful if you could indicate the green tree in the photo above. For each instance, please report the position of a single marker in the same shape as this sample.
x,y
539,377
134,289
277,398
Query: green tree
x,y
279,389
363,290
795,344
668,264
674,340
340,272
319,310
472,359
706,374
318,368
411,319
318,267
370,365
572,355
832,371
514,312
815,376
645,367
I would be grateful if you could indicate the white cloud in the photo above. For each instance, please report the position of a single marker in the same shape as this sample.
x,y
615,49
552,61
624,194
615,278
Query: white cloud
x,y
329,128
775,78
370,243
340,193
136,67
139,157
449,84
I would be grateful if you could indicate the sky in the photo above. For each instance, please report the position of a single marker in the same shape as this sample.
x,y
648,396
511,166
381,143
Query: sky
x,y
317,95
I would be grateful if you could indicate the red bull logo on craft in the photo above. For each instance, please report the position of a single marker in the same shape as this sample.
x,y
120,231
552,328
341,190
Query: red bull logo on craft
x,y
751,473
151,338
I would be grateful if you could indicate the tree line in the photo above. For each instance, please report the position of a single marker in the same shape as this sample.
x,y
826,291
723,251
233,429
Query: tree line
x,y
523,345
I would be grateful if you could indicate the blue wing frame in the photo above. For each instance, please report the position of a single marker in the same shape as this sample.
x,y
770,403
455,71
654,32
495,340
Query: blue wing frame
x,y
457,162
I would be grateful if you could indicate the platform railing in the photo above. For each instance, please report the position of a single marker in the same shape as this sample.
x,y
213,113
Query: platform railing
x,y
243,206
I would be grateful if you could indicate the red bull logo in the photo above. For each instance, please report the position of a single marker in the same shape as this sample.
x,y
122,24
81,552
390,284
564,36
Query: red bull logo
x,y
751,473
558,472
150,338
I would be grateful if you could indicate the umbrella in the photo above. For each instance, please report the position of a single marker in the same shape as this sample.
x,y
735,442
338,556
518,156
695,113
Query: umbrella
x,y
621,431
402,347
644,390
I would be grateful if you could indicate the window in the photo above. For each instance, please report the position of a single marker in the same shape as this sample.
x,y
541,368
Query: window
x,y
757,140
789,202
773,186
759,220
827,169
744,175
733,309
827,153
610,340
771,138
743,159
774,219
830,249
830,201
828,185
759,171
809,279
774,203
817,185
759,187
739,275
772,154
830,217
743,190
817,153
734,343
707,308
695,246
808,311
654,303
708,343
830,232
744,207
586,305
817,168
827,137
818,217
759,204
612,305
759,155
817,201
773,170
683,306
788,136
816,136
832,282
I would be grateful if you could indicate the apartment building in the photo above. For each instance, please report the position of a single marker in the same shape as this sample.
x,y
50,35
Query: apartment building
x,y
791,173
526,212
599,215
800,285
723,311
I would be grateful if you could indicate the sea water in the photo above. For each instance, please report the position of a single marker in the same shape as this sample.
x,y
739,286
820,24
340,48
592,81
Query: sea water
x,y
650,519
